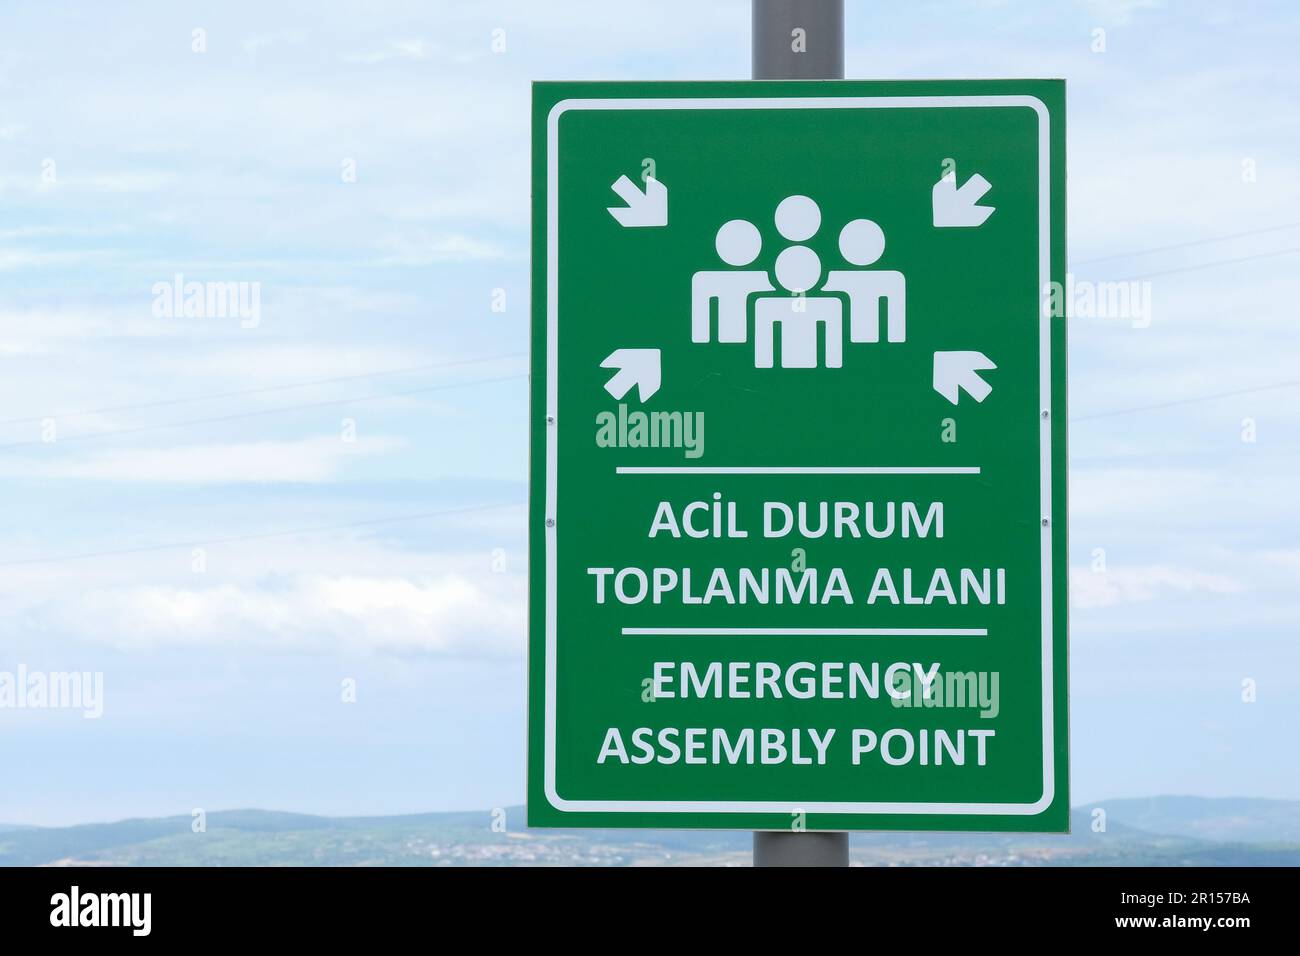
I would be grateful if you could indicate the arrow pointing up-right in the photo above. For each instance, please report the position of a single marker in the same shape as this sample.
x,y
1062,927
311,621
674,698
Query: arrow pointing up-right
x,y
956,207
954,371
639,367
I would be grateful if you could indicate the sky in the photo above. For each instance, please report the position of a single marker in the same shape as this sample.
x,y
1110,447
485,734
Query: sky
x,y
237,519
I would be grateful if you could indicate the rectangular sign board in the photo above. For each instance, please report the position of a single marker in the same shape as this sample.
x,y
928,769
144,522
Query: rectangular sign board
x,y
797,519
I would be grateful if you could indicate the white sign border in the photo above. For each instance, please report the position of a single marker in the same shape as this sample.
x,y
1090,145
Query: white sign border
x,y
1045,445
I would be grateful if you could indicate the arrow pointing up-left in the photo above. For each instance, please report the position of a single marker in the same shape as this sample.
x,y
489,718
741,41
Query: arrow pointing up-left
x,y
649,208
954,371
639,367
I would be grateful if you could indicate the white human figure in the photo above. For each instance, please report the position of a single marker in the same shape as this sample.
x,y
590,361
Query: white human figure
x,y
799,315
738,243
861,243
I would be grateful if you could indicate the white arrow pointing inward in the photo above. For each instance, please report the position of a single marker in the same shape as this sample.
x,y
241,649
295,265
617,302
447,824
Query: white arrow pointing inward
x,y
954,371
639,367
956,207
649,208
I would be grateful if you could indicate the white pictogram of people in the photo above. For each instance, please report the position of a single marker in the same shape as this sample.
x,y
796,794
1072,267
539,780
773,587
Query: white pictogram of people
x,y
793,307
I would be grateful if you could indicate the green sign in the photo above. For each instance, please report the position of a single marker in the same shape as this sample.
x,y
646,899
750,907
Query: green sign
x,y
798,456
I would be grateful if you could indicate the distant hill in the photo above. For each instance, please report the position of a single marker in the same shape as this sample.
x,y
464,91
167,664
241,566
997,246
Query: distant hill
x,y
1230,819
1160,831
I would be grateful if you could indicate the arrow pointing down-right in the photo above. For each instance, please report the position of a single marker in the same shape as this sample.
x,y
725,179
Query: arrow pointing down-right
x,y
649,208
954,371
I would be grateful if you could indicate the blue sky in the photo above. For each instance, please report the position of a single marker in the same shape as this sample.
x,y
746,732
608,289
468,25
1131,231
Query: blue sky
x,y
127,157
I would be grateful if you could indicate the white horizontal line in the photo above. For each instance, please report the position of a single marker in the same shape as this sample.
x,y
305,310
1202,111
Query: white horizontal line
x,y
808,631
797,470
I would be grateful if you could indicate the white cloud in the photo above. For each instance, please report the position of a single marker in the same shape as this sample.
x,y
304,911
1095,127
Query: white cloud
x,y
426,250
59,232
56,328
1286,559
286,363
307,460
11,259
259,41
1131,585
451,614
112,182
1113,492
411,49
1120,12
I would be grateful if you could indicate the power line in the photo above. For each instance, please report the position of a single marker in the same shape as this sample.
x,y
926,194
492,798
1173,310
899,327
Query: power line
x,y
239,416
1207,265
1186,245
232,539
266,388
1185,401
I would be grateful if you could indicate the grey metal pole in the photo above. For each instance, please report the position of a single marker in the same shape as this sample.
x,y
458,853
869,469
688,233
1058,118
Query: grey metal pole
x,y
799,40
777,848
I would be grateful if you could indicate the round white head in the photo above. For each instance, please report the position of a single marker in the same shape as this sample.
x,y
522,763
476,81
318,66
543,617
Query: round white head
x,y
798,218
738,242
861,242
798,268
